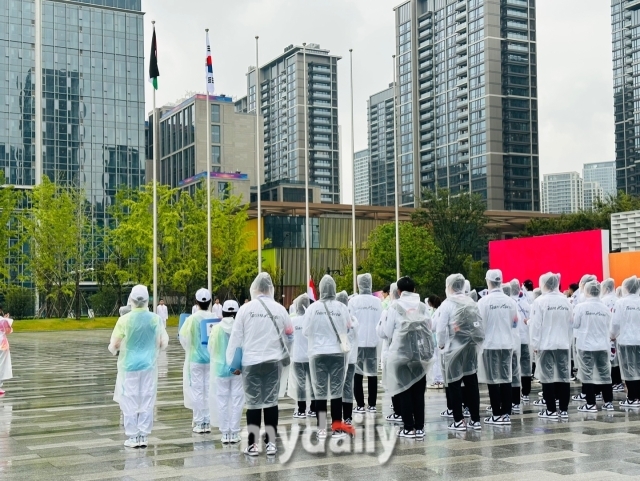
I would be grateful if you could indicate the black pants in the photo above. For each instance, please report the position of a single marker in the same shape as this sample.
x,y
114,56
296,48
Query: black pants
x,y
560,390
254,418
591,389
336,411
500,397
302,406
526,385
347,410
633,390
397,402
358,391
465,397
472,401
616,378
413,405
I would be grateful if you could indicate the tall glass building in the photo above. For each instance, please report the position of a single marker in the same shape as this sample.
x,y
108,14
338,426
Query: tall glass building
x,y
381,148
625,26
467,106
90,131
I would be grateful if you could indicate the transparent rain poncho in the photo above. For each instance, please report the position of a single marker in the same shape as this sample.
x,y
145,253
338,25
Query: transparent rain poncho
x,y
625,329
537,292
551,332
347,393
326,326
138,337
367,309
411,352
365,283
393,296
591,327
265,346
459,331
299,387
608,293
506,289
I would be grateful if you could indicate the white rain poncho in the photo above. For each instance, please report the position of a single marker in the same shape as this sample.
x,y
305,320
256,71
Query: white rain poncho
x,y
591,320
467,287
551,332
500,323
625,329
411,352
347,393
326,327
138,337
537,292
226,394
195,371
367,309
459,331
393,296
6,371
263,344
608,296
299,387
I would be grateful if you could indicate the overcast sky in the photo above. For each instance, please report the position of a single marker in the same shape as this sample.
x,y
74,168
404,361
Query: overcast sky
x,y
575,86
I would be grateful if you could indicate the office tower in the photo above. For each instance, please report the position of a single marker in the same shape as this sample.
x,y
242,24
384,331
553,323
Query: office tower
x,y
562,193
625,23
361,171
468,100
592,194
604,173
281,95
92,129
380,118
183,145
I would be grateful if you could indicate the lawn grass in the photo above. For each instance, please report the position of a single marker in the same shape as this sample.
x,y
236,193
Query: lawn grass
x,y
39,325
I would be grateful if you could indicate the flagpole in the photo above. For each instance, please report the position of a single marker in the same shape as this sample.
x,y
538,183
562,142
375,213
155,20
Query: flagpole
x,y
306,165
395,165
208,164
353,181
156,144
258,168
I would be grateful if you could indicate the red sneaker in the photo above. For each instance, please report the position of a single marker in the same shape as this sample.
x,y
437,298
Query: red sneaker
x,y
340,426
2,393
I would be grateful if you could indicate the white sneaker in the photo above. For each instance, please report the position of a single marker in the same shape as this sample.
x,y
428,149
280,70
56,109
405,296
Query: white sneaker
x,y
475,425
338,434
311,414
588,408
548,415
492,420
628,403
393,418
206,427
540,402
321,434
489,409
540,394
371,409
607,407
142,441
403,433
198,429
563,415
466,413
359,410
515,408
598,397
234,438
271,449
461,426
419,433
504,420
299,415
525,399
252,450
447,413
132,442
618,388
225,438
579,397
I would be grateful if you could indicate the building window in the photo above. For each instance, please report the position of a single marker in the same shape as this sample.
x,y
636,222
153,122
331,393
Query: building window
x,y
224,190
215,134
215,113
215,154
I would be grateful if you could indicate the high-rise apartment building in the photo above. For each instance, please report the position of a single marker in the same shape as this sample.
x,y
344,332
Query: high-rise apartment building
x,y
625,26
604,173
362,177
468,100
281,93
562,193
592,194
381,148
85,124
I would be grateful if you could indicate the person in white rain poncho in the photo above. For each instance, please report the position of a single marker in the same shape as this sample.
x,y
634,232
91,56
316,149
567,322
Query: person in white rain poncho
x,y
625,329
226,395
411,351
591,320
459,332
196,371
347,392
551,334
394,295
163,312
608,296
500,322
580,296
137,340
261,330
433,303
367,309
526,362
326,326
299,375
216,309
6,371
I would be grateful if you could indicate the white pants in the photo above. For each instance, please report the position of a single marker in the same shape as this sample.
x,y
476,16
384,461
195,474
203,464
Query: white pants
x,y
137,402
230,397
200,392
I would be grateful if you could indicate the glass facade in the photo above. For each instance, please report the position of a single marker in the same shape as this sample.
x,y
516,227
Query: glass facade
x,y
361,171
625,26
604,173
381,124
562,193
93,125
449,54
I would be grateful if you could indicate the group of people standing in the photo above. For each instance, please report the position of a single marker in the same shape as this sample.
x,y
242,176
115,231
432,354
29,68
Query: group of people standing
x,y
320,353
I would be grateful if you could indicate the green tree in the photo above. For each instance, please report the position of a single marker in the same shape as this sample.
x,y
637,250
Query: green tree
x,y
458,226
9,231
19,302
420,257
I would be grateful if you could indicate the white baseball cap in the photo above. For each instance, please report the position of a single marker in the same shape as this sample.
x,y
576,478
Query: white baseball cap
x,y
230,306
494,275
139,293
203,295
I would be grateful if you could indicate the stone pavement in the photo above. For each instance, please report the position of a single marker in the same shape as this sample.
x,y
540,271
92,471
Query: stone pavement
x,y
58,422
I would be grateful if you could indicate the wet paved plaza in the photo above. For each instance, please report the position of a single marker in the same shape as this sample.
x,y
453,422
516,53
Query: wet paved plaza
x,y
58,422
